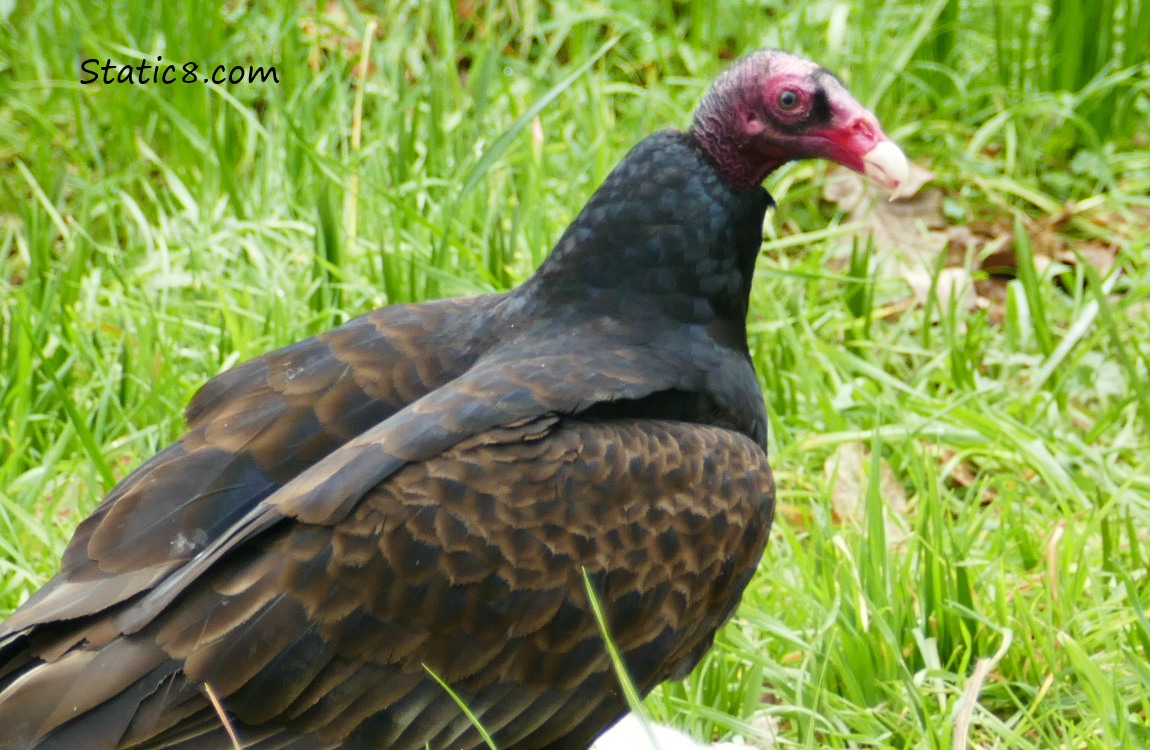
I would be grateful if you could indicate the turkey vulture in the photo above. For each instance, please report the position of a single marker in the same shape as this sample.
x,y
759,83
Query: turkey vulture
x,y
421,490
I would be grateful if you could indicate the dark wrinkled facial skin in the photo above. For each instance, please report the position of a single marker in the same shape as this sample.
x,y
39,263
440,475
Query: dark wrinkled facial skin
x,y
793,104
773,107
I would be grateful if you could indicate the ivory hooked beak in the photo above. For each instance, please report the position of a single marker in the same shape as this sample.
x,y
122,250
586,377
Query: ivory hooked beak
x,y
886,164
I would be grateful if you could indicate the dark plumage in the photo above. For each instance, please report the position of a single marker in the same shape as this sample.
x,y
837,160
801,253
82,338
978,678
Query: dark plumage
x,y
423,487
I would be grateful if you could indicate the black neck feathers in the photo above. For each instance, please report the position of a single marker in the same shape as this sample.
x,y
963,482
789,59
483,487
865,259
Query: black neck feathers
x,y
663,234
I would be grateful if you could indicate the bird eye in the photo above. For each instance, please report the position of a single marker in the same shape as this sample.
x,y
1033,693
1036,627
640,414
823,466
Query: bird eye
x,y
788,99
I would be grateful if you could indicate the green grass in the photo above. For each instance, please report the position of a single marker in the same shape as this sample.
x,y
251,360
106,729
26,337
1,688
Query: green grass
x,y
151,236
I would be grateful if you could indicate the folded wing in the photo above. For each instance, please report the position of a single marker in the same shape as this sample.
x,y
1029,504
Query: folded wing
x,y
252,430
468,564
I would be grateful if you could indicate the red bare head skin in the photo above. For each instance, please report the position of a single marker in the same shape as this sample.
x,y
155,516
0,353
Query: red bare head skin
x,y
772,107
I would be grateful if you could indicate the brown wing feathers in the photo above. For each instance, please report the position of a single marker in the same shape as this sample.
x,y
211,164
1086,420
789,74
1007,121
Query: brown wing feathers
x,y
470,564
465,559
253,429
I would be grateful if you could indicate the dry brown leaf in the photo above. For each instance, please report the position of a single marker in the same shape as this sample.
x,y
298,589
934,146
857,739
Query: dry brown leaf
x,y
847,471
989,247
992,295
793,515
914,231
962,244
1100,256
465,10
962,473
952,282
996,247
843,188
906,226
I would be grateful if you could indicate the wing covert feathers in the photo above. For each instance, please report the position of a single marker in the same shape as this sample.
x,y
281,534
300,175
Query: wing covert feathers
x,y
467,563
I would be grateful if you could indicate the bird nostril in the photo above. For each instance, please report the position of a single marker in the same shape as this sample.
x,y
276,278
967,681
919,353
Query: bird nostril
x,y
864,128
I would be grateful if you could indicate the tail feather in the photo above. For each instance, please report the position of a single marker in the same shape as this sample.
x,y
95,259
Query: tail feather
x,y
40,702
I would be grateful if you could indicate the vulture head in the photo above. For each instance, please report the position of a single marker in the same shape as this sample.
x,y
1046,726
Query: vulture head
x,y
772,107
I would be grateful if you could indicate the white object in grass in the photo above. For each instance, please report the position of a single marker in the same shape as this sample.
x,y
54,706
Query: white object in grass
x,y
629,734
